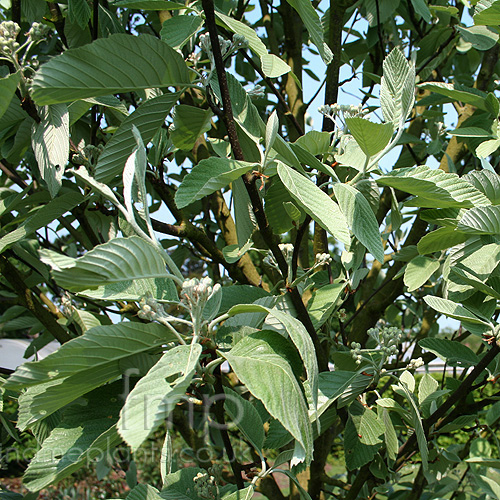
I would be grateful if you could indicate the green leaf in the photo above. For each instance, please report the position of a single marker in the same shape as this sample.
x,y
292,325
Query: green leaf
x,y
357,454
8,86
391,438
276,196
208,176
489,16
144,491
484,462
260,362
42,217
129,264
156,394
233,253
299,336
481,220
456,311
272,65
148,118
315,142
397,88
463,276
422,10
416,420
87,431
480,37
244,415
470,132
418,271
96,354
100,69
189,123
434,188
272,130
50,142
315,202
79,12
312,22
487,182
448,217
178,30
360,218
441,239
454,353
150,5
371,137
487,148
458,92
428,384
323,302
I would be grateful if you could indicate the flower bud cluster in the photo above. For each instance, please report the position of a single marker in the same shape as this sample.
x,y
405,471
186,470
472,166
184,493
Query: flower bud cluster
x,y
197,292
88,155
341,315
204,485
38,32
356,352
151,309
227,47
415,363
323,259
347,110
388,337
287,250
8,34
258,92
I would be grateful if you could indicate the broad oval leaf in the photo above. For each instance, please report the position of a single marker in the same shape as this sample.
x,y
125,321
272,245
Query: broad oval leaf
x,y
434,188
208,176
95,355
125,268
454,353
50,143
371,137
177,30
148,118
481,220
155,395
260,362
487,182
360,218
315,202
418,271
86,432
189,123
118,63
456,311
8,86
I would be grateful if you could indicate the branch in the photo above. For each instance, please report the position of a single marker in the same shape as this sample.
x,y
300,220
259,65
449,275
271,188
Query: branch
x,y
249,181
27,300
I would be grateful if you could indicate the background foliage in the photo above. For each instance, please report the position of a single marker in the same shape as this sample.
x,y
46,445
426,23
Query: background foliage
x,y
168,208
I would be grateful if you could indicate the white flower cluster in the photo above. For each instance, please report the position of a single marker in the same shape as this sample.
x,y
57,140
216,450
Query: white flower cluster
x,y
388,338
197,292
38,31
415,363
287,250
204,485
151,309
8,34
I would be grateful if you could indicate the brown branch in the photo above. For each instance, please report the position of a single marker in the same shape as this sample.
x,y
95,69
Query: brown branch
x,y
249,180
30,302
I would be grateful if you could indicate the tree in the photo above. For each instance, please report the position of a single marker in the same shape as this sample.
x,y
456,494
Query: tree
x,y
165,209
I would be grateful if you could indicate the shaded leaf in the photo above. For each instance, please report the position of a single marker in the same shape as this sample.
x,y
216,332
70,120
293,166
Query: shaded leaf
x,y
100,69
189,124
8,86
371,137
454,353
418,271
208,176
178,30
156,394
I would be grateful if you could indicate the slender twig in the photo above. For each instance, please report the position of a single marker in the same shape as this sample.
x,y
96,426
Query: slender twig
x,y
296,246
